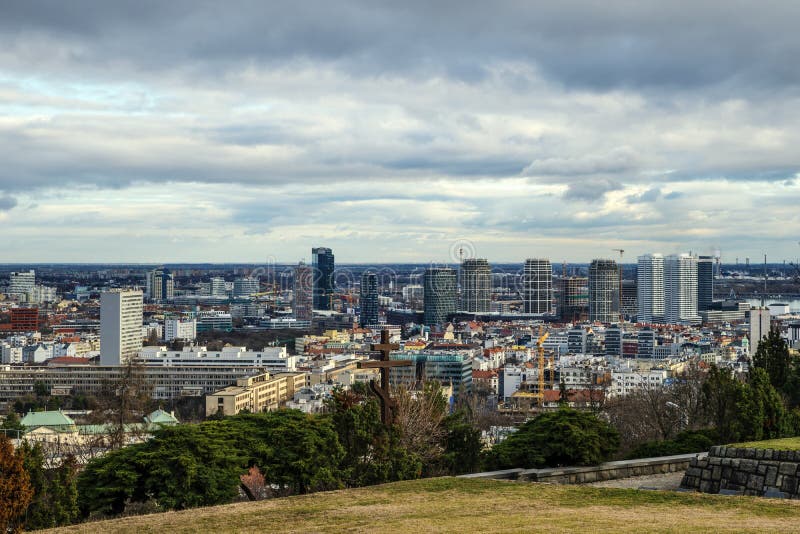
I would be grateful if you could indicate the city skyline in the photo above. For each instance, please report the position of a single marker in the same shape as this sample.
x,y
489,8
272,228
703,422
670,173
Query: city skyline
x,y
189,133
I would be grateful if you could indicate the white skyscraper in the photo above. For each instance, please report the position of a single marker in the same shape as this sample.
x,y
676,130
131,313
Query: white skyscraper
x,y
650,288
537,286
120,326
680,289
759,327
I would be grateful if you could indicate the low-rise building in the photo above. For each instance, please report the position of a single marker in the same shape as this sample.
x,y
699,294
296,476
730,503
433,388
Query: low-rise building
x,y
259,393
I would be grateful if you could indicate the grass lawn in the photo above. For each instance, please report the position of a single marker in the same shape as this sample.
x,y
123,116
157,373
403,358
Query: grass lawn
x,y
783,444
470,505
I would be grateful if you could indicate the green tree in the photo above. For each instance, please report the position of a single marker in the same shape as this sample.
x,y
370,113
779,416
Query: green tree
x,y
722,396
15,487
773,357
462,445
560,438
12,422
762,414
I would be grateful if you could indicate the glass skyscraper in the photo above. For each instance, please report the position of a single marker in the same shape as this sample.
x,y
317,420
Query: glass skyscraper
x,y
369,299
440,294
323,266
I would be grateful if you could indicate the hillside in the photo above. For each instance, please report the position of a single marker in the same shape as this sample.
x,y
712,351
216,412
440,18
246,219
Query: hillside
x,y
469,505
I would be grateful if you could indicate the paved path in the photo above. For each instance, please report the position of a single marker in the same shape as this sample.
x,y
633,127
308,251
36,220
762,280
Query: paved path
x,y
669,481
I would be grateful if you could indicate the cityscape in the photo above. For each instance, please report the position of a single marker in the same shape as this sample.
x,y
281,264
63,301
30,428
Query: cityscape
x,y
398,267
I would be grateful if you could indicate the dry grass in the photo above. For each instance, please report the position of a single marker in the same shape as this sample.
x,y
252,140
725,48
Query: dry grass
x,y
783,444
450,505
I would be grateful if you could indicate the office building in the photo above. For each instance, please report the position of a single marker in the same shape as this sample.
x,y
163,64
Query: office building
x,y
613,341
259,393
208,321
439,285
680,289
629,305
759,327
573,298
476,286
20,284
705,282
303,288
323,267
537,286
650,288
160,285
603,291
185,329
646,343
24,319
120,326
217,287
369,299
449,368
245,287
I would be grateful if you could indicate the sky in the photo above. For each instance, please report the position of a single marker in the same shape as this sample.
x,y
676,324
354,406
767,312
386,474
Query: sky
x,y
242,131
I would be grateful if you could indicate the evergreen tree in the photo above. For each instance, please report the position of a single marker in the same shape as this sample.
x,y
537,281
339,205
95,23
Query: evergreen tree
x,y
773,356
15,488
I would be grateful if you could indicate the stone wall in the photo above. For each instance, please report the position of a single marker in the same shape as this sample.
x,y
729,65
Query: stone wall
x,y
596,473
746,471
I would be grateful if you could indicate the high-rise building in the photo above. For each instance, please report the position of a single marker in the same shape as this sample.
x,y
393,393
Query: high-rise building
x,y
20,284
369,299
646,343
323,264
244,287
705,282
603,291
680,289
476,286
439,293
303,287
160,285
120,326
759,327
650,288
629,303
573,298
537,286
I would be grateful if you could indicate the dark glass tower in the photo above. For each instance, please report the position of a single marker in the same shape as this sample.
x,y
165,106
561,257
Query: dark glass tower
x,y
476,286
705,282
323,266
440,294
369,299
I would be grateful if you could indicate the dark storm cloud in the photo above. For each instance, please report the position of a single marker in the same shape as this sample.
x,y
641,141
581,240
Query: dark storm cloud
x,y
586,44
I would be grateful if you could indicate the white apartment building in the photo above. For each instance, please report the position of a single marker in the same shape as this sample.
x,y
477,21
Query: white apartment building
x,y
650,288
624,382
680,289
180,329
120,326
273,359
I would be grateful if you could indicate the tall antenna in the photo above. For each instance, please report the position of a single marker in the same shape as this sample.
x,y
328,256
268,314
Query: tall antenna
x,y
764,296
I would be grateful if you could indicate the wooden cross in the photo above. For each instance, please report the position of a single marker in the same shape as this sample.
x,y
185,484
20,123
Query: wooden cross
x,y
388,404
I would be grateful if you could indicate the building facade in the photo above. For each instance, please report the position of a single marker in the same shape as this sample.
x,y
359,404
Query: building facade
x,y
537,286
476,286
573,298
680,289
369,299
160,285
120,326
603,291
439,294
323,264
303,290
650,288
705,282
760,322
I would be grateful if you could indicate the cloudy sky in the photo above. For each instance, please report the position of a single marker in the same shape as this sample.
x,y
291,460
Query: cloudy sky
x,y
398,131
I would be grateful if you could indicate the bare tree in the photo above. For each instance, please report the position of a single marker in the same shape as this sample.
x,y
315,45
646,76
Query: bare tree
x,y
419,416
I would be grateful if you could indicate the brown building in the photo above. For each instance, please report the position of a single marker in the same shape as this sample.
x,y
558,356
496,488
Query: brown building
x,y
259,393
25,319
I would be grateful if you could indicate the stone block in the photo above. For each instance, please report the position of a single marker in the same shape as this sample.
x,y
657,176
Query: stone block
x,y
714,460
759,454
761,469
771,476
694,471
756,482
767,454
748,466
727,472
739,478
716,473
789,485
787,468
726,462
705,486
714,451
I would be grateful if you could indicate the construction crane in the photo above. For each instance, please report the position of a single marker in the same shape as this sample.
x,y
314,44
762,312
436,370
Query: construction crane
x,y
621,253
540,352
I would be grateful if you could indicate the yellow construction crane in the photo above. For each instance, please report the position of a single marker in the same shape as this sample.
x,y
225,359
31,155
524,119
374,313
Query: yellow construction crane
x,y
540,351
